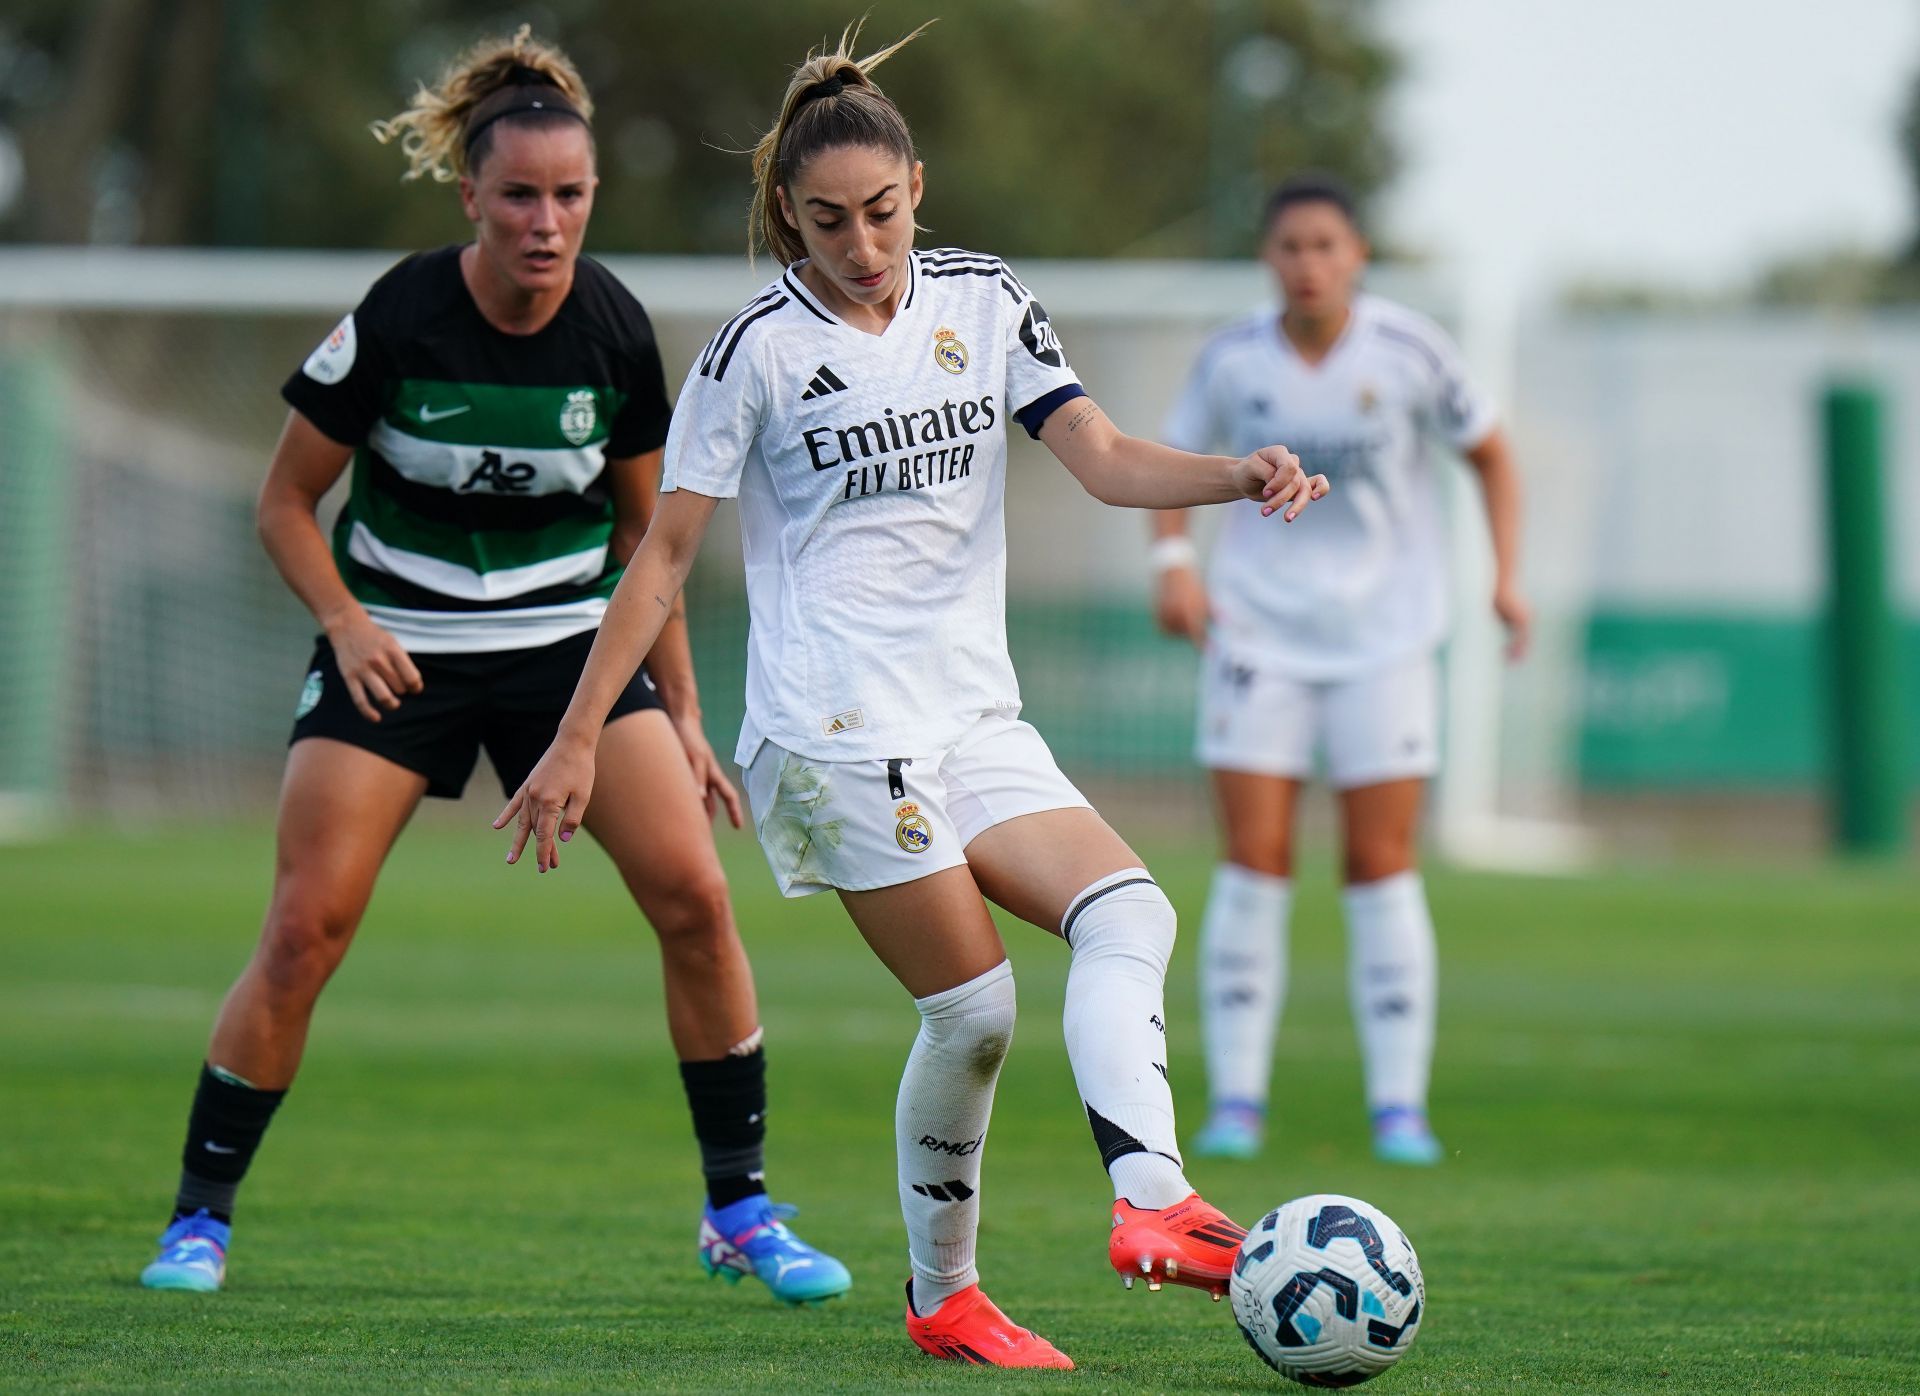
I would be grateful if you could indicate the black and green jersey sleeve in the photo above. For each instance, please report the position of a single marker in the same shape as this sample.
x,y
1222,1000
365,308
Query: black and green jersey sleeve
x,y
479,515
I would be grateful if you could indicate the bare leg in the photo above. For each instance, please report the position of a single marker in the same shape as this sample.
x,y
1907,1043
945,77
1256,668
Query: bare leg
x,y
341,808
1035,865
660,839
931,934
1256,814
1381,828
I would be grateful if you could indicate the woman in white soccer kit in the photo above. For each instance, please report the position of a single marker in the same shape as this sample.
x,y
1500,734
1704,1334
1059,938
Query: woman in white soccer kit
x,y
857,409
1325,649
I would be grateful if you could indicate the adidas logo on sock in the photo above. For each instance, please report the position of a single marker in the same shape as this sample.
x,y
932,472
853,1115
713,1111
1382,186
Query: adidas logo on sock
x,y
825,383
944,1192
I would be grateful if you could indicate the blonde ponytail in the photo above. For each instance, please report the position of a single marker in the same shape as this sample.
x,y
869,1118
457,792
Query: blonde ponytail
x,y
432,131
831,102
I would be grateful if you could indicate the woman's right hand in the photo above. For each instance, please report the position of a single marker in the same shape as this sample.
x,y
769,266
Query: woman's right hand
x,y
1180,605
552,801
376,667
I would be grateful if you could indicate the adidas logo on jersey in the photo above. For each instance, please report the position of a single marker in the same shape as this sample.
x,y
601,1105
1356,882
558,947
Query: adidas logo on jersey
x,y
825,383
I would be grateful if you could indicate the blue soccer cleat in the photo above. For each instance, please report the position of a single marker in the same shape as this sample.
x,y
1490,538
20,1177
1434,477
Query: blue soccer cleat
x,y
750,1237
193,1255
1401,1135
1233,1131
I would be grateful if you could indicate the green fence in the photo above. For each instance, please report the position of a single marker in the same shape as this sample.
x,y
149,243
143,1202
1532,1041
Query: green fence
x,y
1727,701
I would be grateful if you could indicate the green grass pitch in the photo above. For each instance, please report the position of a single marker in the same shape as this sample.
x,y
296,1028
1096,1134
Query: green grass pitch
x,y
1682,1113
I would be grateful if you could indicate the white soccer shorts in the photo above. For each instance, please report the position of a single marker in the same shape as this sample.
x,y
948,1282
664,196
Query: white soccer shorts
x,y
858,825
1384,726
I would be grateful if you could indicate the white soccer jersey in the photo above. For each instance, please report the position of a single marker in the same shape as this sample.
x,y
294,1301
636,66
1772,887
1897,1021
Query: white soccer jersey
x,y
1359,581
871,474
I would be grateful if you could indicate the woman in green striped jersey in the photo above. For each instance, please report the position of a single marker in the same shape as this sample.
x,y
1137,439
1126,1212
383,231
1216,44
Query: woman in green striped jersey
x,y
503,408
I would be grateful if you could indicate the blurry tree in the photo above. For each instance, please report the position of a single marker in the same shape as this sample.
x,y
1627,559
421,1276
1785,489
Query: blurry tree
x,y
1049,127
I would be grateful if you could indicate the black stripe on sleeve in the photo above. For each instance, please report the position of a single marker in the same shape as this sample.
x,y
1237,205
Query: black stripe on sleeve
x,y
713,345
1004,278
948,258
1418,345
740,332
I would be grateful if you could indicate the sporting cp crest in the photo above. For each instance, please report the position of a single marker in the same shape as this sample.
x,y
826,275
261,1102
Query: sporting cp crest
x,y
912,833
949,352
309,696
579,417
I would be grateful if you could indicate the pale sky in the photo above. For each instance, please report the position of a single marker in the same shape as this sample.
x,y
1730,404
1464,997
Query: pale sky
x,y
1684,141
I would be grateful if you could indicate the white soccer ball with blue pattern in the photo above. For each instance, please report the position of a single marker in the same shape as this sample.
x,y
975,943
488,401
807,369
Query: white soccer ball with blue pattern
x,y
1328,1290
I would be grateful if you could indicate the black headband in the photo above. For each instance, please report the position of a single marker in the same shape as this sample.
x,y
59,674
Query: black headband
x,y
530,91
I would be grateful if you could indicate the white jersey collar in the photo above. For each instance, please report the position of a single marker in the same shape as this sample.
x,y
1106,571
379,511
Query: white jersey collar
x,y
793,285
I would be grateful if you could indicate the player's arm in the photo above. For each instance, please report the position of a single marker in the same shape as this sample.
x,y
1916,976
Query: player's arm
x,y
634,483
635,486
1180,604
553,799
1134,473
306,463
1492,462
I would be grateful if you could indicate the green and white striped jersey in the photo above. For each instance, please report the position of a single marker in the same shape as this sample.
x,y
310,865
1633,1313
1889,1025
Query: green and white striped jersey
x,y
479,518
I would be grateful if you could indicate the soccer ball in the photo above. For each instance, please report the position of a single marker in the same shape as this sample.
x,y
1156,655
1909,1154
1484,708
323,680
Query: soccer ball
x,y
1328,1290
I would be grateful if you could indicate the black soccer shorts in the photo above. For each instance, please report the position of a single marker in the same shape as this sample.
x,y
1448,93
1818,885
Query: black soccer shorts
x,y
509,702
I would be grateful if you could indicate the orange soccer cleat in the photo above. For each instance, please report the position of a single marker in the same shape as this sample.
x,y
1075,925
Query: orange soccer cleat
x,y
969,1328
1189,1243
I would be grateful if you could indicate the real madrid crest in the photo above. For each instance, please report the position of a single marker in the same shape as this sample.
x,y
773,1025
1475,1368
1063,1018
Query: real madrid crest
x,y
579,417
1369,399
949,352
912,833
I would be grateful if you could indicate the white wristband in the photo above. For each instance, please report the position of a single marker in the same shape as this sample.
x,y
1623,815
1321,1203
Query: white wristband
x,y
1175,550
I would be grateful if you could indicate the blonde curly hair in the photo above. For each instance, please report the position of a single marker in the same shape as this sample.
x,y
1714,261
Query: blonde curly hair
x,y
432,131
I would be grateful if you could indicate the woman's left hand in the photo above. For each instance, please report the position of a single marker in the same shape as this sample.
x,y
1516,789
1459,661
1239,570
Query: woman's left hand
x,y
1273,475
709,778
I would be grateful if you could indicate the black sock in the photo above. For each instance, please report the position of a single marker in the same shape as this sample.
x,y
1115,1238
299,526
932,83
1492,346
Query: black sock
x,y
729,1103
223,1130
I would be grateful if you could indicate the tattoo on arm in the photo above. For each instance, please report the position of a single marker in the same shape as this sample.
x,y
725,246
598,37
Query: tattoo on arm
x,y
663,603
1079,419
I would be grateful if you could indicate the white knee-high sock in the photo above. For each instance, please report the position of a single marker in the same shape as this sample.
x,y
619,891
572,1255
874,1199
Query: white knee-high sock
x,y
1121,929
940,1127
1243,981
1391,975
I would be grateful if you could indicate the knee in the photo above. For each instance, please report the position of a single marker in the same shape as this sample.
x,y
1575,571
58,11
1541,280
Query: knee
x,y
1126,914
973,1022
696,917
1379,855
302,946
1261,850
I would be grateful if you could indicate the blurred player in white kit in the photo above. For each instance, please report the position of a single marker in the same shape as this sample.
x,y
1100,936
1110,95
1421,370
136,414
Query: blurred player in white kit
x,y
1323,654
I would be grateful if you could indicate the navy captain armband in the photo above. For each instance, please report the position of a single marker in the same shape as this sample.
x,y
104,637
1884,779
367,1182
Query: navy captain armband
x,y
1034,415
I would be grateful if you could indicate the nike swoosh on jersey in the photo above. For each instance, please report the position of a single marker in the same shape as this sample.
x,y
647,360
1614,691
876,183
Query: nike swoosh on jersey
x,y
427,414
214,1148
